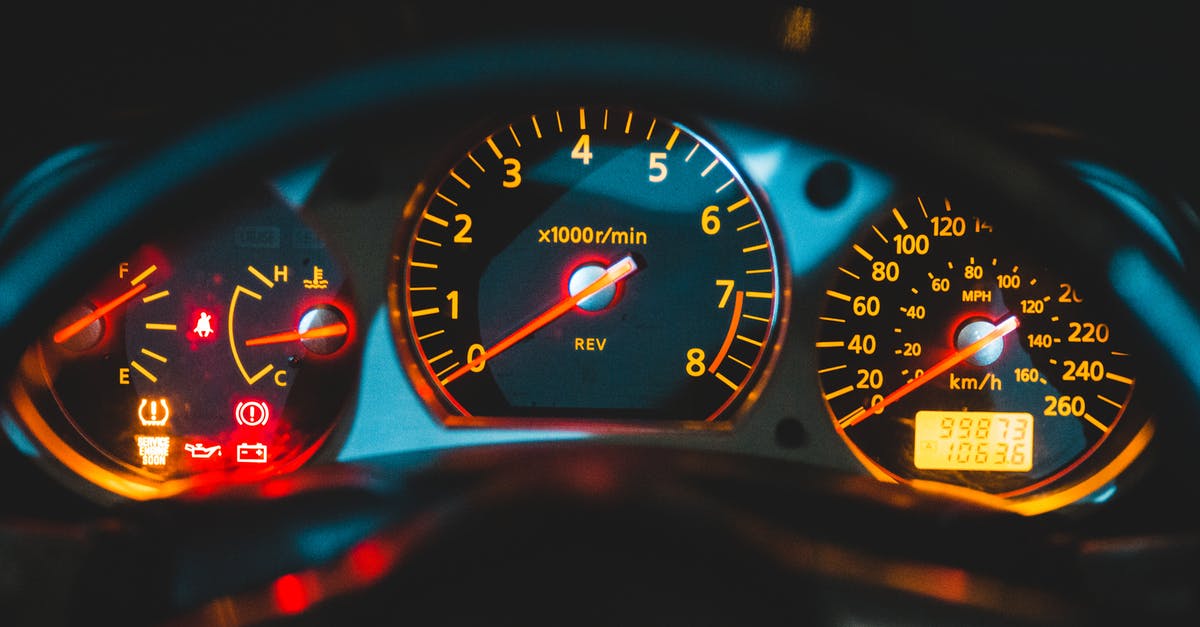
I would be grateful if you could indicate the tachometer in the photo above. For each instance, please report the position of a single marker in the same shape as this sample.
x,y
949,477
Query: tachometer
x,y
950,352
589,264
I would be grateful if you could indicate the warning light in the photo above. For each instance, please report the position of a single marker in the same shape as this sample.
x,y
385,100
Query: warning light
x,y
153,449
149,415
318,281
199,451
252,413
203,328
252,453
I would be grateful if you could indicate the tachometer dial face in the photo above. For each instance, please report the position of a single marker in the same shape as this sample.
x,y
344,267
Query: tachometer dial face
x,y
948,351
587,264
225,353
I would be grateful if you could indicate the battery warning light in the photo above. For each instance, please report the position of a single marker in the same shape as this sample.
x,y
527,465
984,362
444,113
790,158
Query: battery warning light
x,y
252,453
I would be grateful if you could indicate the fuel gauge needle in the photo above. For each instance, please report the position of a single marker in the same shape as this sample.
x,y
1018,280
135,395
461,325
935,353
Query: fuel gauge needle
x,y
1004,328
612,275
332,330
72,329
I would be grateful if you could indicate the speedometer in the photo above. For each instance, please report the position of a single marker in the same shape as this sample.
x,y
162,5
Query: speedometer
x,y
950,352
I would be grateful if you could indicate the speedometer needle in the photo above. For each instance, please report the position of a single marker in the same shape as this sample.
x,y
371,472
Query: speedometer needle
x,y
1004,328
612,275
70,330
331,330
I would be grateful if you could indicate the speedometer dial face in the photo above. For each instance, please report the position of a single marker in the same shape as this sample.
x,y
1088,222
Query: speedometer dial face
x,y
587,264
950,352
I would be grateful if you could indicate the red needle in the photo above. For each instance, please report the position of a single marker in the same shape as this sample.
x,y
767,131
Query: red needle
x,y
1004,328
613,274
332,330
75,327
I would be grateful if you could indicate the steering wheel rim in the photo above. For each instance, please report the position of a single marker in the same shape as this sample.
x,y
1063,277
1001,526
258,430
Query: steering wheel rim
x,y
107,217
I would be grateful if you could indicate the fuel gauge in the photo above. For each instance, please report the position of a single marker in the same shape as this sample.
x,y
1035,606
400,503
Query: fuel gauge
x,y
226,353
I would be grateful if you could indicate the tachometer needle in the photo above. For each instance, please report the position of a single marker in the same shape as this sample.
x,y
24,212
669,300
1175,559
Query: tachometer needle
x,y
1004,328
75,327
612,275
332,330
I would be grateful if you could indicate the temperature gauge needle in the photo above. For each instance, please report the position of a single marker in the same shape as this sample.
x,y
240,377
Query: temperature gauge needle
x,y
332,330
75,327
612,275
1004,328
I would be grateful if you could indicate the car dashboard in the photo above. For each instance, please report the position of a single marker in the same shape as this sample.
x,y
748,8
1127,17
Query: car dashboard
x,y
428,335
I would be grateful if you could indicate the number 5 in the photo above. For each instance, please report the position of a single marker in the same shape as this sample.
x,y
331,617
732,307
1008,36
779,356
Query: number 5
x,y
658,169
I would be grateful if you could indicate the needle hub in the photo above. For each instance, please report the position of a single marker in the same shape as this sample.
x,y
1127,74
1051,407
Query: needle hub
x,y
320,317
584,276
972,332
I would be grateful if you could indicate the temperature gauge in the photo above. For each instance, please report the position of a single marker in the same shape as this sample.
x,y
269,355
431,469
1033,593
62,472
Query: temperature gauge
x,y
228,353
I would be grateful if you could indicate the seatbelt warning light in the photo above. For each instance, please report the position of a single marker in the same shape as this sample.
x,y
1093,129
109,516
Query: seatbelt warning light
x,y
202,326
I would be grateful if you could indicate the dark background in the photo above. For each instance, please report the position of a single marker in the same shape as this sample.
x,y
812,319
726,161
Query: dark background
x,y
1121,76
76,73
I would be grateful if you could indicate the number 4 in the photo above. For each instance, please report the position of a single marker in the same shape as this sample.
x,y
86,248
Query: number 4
x,y
583,149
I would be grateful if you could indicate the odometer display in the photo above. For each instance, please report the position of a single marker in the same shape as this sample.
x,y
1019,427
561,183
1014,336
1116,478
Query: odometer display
x,y
970,440
586,264
949,350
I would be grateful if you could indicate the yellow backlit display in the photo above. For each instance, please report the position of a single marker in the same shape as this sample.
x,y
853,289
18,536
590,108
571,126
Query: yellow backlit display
x,y
973,440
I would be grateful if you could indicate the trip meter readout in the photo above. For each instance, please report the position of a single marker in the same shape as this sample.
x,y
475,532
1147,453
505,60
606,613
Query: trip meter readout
x,y
948,351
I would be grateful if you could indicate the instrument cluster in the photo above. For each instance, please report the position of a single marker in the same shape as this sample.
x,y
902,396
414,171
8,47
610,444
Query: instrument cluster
x,y
594,270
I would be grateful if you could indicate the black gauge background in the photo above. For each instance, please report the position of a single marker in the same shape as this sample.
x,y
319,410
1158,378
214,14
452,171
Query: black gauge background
x,y
1058,444
502,256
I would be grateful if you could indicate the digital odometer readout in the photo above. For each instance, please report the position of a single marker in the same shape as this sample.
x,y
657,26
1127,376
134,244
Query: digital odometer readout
x,y
972,440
